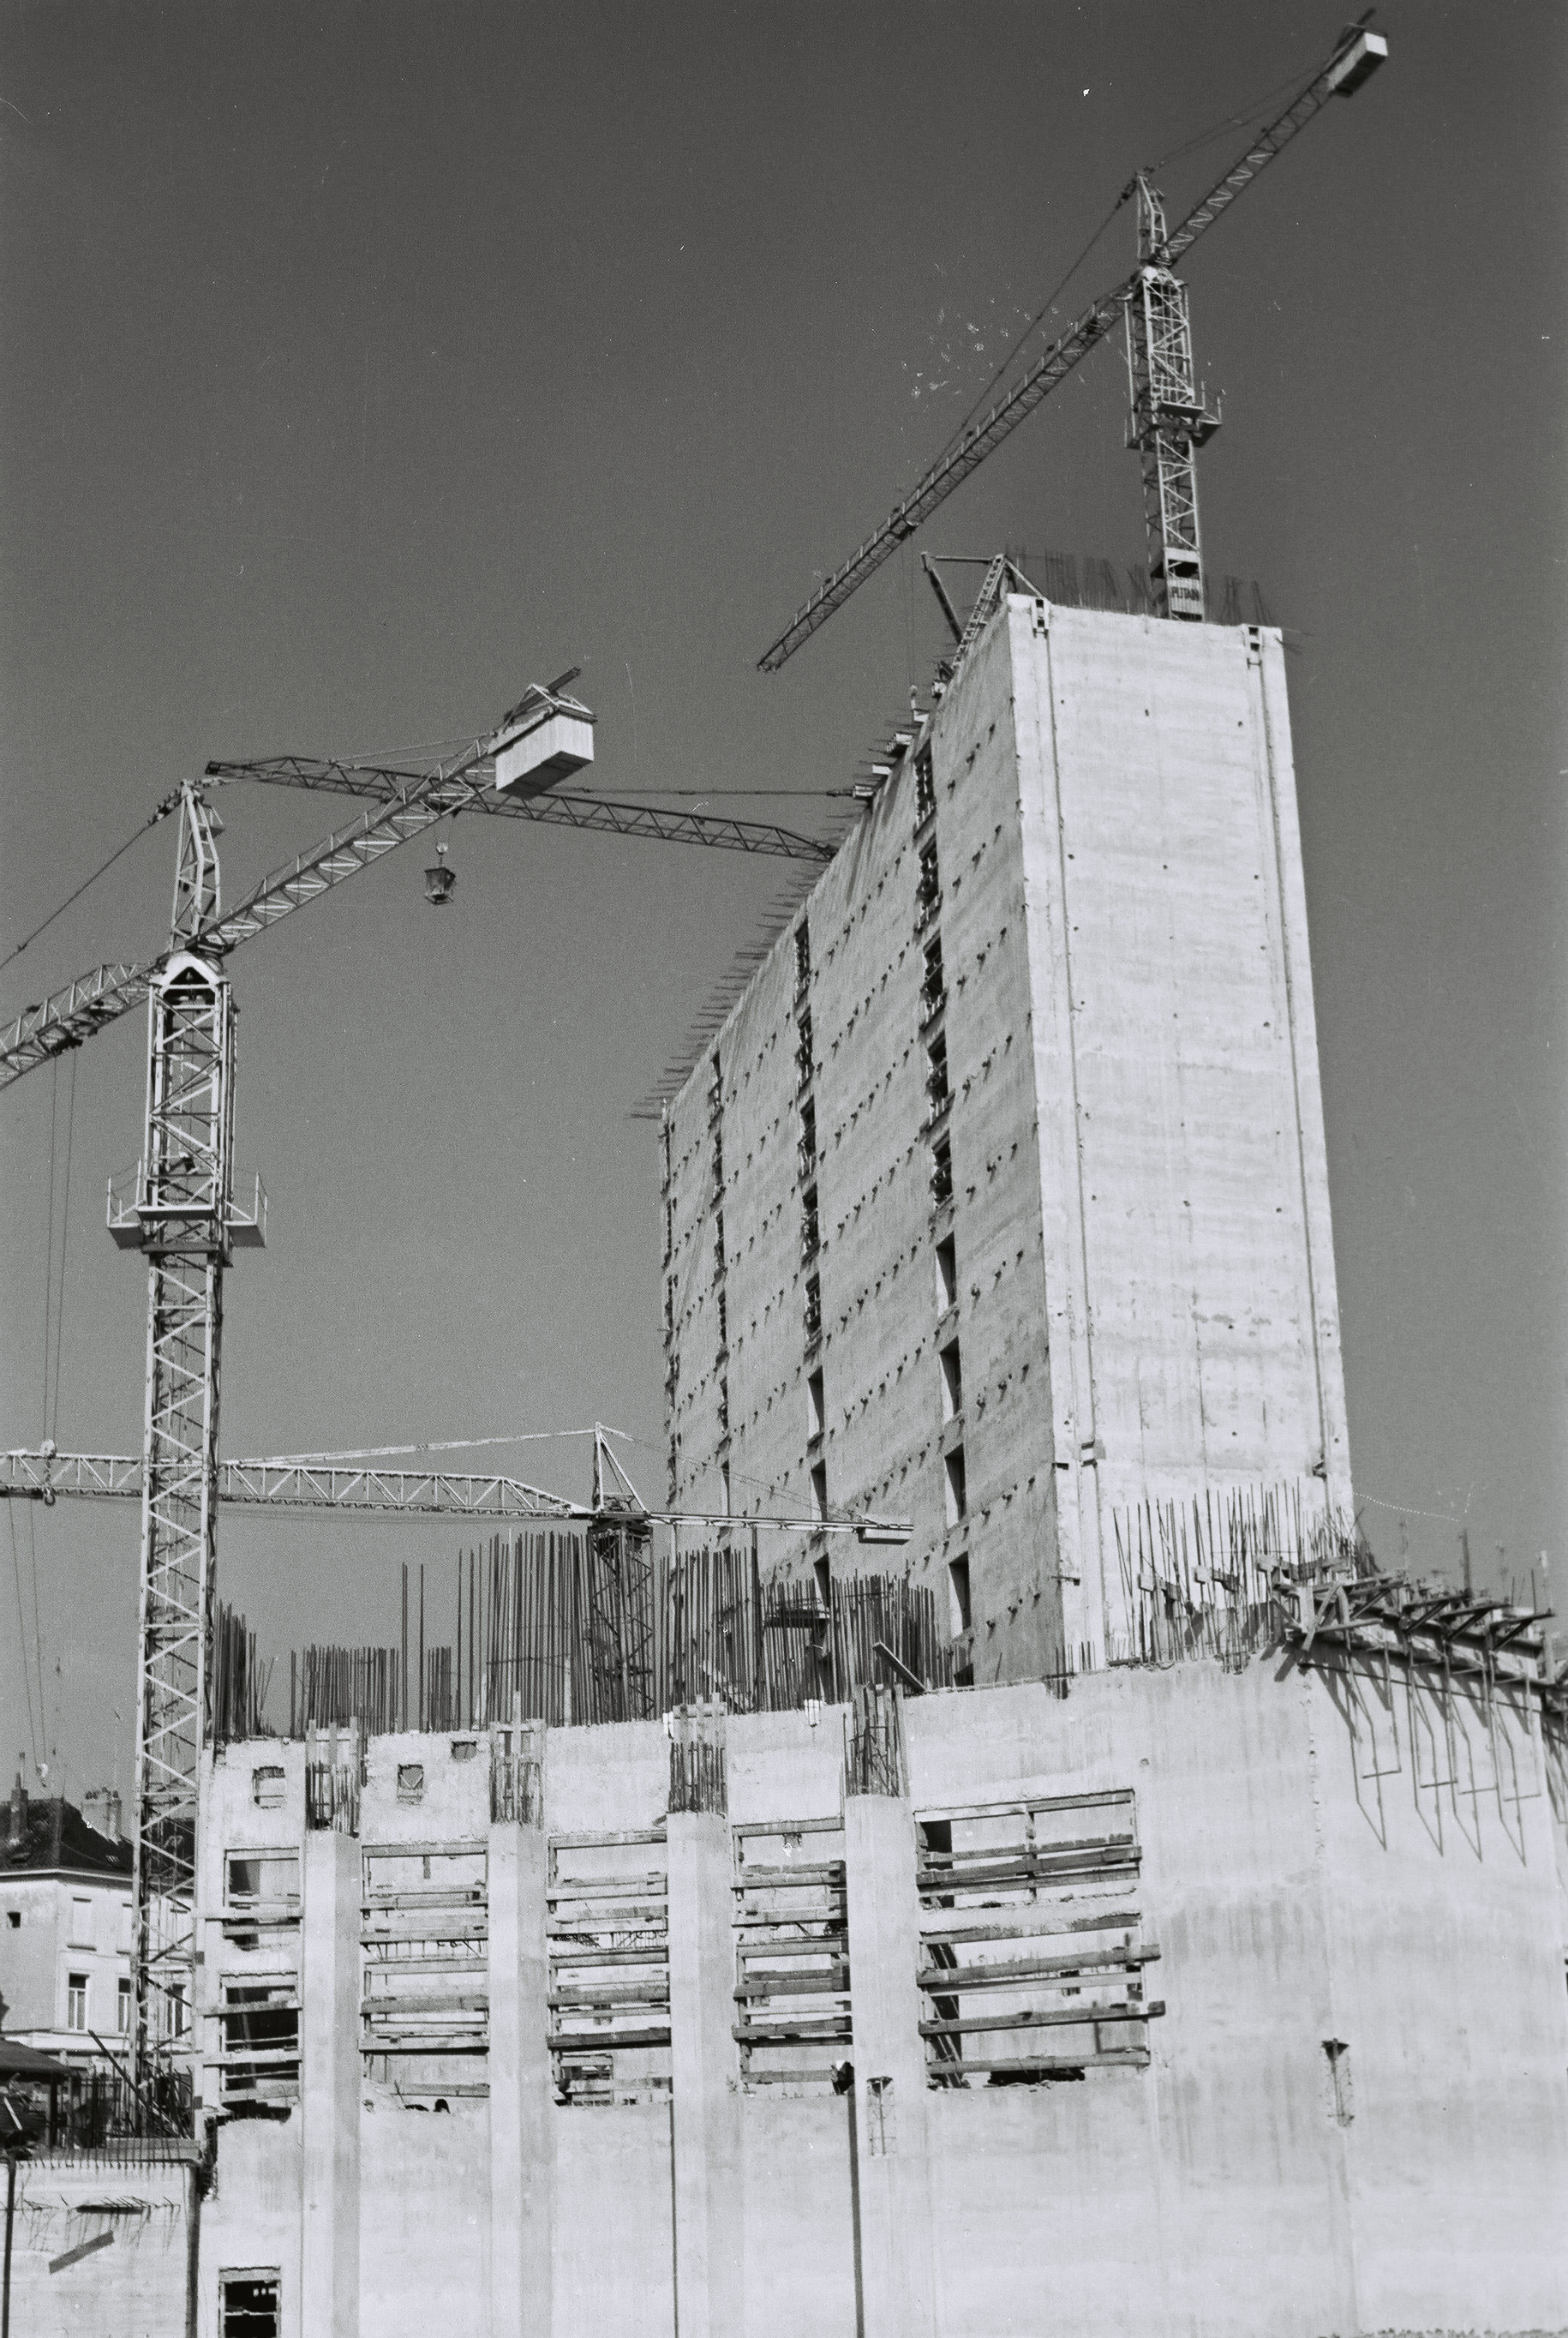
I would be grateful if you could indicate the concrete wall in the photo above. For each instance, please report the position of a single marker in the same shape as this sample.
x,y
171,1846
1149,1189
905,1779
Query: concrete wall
x,y
1314,1879
1194,1322
132,2222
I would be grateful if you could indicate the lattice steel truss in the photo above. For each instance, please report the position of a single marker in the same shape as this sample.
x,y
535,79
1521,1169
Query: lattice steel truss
x,y
1171,418
183,1219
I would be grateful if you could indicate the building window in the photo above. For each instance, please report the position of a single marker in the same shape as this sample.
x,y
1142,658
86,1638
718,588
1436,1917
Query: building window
x,y
804,1059
928,887
815,1417
716,1092
822,1576
718,1166
260,2040
813,1307
724,1325
122,2010
811,1231
941,1172
75,2001
14,1918
924,787
937,1072
718,1241
819,1489
250,2304
806,1154
946,1274
952,1381
179,2012
724,1408
724,1487
81,1935
953,1466
267,1788
802,958
933,989
411,1781
268,1879
958,1595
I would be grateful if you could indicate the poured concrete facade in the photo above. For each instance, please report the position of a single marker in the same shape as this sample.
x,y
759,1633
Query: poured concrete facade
x,y
1097,831
1350,2115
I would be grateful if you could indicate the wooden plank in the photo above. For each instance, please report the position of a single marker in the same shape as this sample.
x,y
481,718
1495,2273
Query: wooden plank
x,y
435,1895
469,1850
612,1993
573,1928
570,2041
1028,1926
597,1841
1066,2017
655,1952
1112,2058
800,1984
953,1981
789,1826
590,1887
824,2033
774,1879
1103,1799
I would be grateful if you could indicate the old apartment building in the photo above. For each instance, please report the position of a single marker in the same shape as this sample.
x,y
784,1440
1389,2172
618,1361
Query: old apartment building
x,y
1000,1206
64,1925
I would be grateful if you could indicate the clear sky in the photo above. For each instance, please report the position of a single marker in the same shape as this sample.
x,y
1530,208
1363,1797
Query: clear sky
x,y
360,363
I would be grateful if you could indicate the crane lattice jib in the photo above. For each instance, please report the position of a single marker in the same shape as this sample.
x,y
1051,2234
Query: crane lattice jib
x,y
595,815
407,803
366,1489
1341,74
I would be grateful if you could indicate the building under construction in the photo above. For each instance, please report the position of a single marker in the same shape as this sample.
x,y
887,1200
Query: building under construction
x,y
1103,1901
994,1853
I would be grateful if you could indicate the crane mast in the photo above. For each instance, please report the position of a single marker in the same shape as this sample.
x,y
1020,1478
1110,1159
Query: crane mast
x,y
182,1217
1171,418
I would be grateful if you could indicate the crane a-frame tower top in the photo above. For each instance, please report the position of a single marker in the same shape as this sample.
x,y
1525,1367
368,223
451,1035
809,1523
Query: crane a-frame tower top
x,y
1170,419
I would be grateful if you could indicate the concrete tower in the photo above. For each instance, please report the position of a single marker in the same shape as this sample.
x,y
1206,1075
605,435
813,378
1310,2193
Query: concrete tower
x,y
1001,1205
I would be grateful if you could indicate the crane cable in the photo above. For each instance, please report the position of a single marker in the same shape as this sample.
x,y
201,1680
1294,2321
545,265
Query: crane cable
x,y
1216,130
53,1406
22,1629
162,812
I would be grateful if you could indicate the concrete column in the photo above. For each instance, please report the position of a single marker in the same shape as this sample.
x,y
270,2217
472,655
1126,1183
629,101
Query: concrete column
x,y
330,2086
522,2140
709,2186
897,2269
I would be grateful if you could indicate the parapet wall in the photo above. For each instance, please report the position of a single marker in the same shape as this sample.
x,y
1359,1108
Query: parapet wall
x,y
1206,2002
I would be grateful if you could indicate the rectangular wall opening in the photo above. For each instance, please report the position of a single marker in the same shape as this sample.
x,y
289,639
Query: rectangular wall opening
x,y
946,1274
248,2305
819,1489
953,1470
816,1419
958,1595
952,1381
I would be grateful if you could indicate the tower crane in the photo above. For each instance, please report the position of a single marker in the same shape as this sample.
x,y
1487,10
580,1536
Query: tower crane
x,y
184,1215
1170,419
